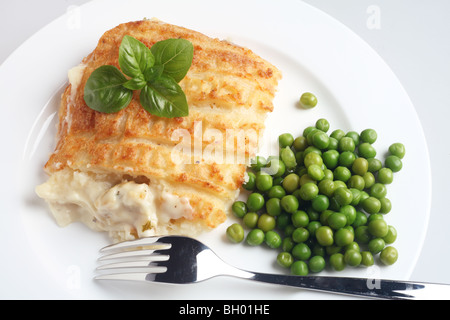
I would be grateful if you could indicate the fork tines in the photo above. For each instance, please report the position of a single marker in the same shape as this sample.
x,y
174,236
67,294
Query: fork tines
x,y
143,254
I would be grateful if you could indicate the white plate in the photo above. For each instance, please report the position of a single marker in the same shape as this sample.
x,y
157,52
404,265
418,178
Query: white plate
x,y
355,87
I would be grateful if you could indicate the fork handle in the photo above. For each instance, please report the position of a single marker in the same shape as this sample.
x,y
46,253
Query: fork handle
x,y
365,287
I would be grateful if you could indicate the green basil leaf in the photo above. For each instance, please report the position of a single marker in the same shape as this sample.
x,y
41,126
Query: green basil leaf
x,y
153,73
175,55
104,90
134,57
164,98
135,83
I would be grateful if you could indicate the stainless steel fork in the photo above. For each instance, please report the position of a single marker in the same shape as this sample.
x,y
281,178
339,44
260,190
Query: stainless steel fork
x,y
182,260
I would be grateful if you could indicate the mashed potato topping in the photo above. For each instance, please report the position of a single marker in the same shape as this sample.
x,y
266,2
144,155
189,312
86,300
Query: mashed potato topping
x,y
126,209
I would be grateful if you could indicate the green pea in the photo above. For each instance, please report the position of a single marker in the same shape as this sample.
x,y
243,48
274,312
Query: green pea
x,y
323,125
316,172
350,213
371,205
309,191
308,100
285,259
343,237
366,150
235,233
375,216
324,236
369,179
316,264
353,258
337,261
300,219
255,237
386,205
356,182
337,134
397,149
273,206
374,164
273,239
250,220
301,251
356,196
346,159
343,196
239,208
362,234
320,203
376,245
299,268
389,256
394,163
291,182
342,173
300,235
378,228
320,140
385,176
289,203
264,181
250,184
285,140
369,136
288,157
334,143
354,135
312,158
337,220
327,187
328,174
360,219
367,259
391,235
378,190
307,130
360,166
352,246
300,143
255,201
266,222
346,144
331,159
276,192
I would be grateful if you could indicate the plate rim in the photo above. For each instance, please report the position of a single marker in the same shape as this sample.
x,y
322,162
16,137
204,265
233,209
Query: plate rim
x,y
26,43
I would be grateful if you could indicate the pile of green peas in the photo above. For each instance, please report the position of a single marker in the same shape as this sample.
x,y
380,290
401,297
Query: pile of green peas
x,y
322,201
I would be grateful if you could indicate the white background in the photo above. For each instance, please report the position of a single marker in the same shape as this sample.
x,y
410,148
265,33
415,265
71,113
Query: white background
x,y
412,36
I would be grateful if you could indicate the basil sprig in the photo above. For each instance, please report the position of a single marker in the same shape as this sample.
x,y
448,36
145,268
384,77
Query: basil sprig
x,y
155,72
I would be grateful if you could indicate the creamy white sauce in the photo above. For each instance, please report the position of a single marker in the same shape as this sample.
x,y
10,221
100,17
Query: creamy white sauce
x,y
123,208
